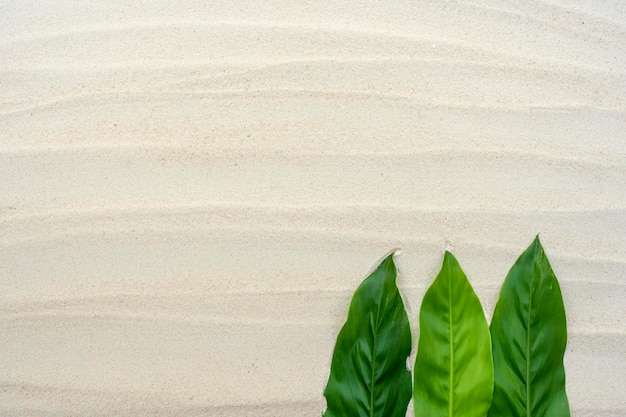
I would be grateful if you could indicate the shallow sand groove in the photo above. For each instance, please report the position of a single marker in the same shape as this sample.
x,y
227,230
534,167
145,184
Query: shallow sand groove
x,y
191,191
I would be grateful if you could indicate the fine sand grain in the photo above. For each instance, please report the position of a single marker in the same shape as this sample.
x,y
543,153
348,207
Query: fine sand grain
x,y
190,191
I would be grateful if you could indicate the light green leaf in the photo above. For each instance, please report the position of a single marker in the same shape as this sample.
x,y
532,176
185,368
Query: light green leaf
x,y
529,336
453,368
368,375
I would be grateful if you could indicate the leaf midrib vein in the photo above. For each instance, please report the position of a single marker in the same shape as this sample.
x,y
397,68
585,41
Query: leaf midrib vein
x,y
375,332
451,390
530,302
373,364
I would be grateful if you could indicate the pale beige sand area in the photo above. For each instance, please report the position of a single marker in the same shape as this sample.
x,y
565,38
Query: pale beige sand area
x,y
190,191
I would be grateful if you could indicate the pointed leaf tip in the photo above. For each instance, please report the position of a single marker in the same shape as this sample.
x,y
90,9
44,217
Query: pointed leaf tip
x,y
389,258
387,264
448,256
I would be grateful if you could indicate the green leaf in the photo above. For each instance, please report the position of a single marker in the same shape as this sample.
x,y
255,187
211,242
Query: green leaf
x,y
368,375
529,335
453,368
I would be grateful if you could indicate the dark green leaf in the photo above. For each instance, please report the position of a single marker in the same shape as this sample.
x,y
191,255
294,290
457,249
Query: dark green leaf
x,y
453,368
529,336
368,375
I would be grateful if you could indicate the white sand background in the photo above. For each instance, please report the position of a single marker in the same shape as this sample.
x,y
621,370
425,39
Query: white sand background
x,y
190,191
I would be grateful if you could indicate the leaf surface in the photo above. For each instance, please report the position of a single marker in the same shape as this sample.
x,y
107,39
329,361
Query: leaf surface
x,y
529,335
368,375
453,369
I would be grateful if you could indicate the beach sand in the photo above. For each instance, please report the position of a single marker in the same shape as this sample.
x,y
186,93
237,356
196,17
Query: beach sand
x,y
191,191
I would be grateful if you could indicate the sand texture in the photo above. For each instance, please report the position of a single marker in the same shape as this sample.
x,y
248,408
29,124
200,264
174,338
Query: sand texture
x,y
191,191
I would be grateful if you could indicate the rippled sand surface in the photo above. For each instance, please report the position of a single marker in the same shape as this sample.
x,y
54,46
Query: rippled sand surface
x,y
190,191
